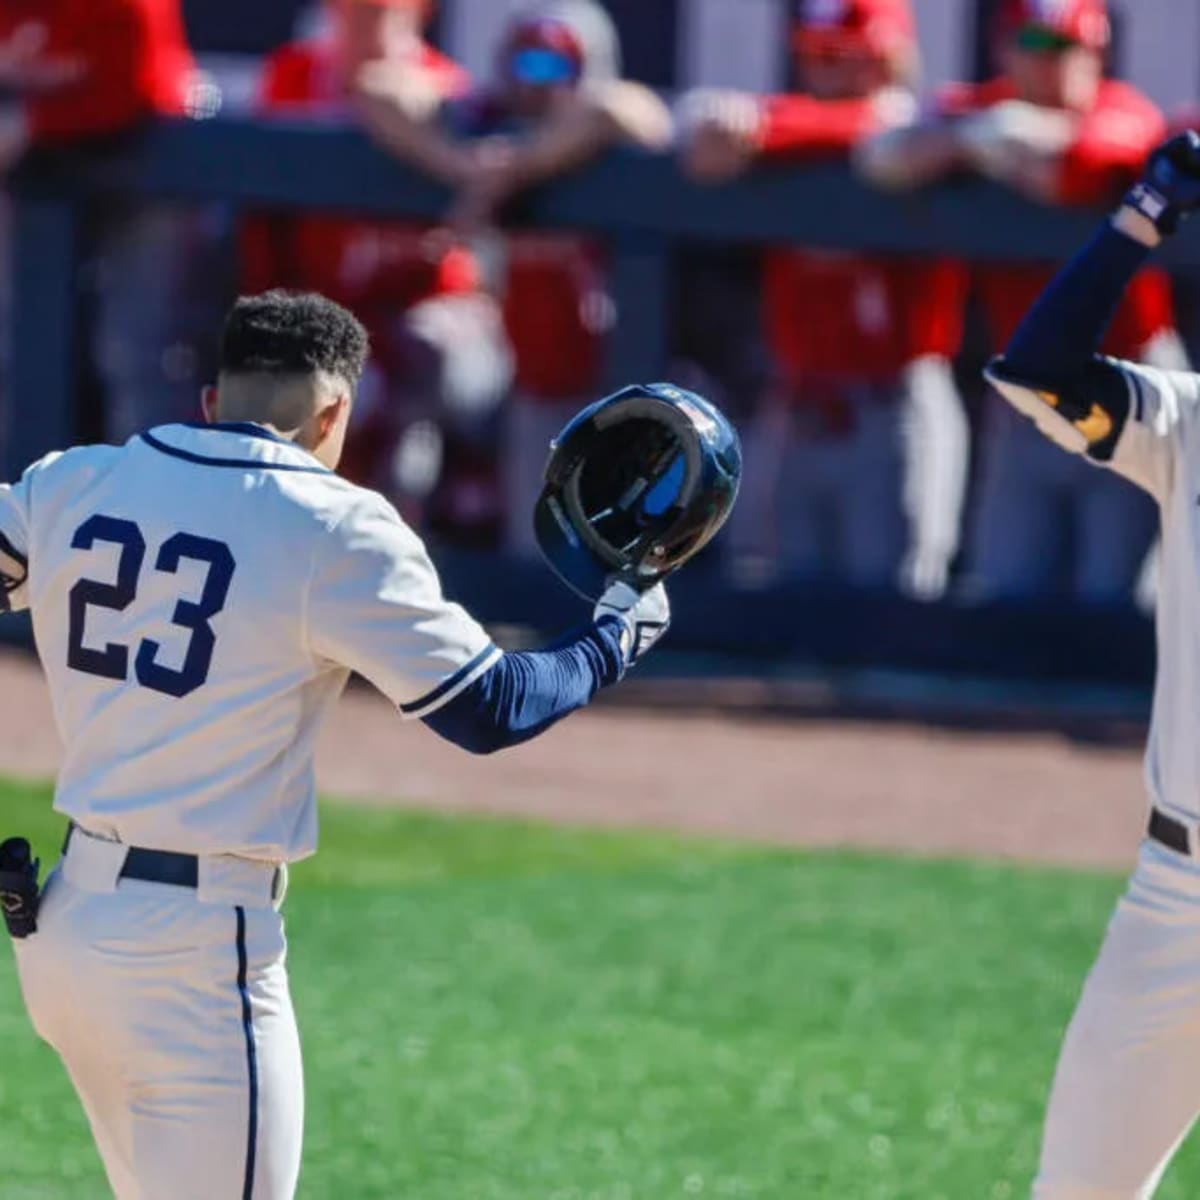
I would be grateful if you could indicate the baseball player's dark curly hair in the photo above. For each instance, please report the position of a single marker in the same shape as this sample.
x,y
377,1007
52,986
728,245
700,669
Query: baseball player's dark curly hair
x,y
293,333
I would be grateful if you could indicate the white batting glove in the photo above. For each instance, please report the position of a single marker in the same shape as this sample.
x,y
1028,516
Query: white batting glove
x,y
646,616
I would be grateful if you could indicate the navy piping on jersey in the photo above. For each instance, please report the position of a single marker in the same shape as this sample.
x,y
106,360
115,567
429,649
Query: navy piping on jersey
x,y
251,1057
1135,385
245,464
449,682
249,428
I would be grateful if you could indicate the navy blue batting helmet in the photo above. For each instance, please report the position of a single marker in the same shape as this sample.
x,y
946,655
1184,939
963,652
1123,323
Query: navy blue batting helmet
x,y
635,485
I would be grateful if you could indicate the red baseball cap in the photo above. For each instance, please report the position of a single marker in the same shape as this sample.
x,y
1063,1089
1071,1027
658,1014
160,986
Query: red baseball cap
x,y
880,28
1082,22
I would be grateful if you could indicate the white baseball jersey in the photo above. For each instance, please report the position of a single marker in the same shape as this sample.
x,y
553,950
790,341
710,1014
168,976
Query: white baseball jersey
x,y
200,596
1159,449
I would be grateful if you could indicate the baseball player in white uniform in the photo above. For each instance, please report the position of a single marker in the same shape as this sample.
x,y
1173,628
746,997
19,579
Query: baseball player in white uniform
x,y
200,596
1127,1087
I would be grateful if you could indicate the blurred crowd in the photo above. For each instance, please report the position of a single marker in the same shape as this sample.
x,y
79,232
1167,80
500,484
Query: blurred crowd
x,y
867,463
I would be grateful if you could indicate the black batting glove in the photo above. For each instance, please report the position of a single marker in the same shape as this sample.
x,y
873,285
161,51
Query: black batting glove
x,y
1170,188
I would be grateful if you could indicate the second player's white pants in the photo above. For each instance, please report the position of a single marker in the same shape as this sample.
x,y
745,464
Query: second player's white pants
x,y
171,1012
1127,1087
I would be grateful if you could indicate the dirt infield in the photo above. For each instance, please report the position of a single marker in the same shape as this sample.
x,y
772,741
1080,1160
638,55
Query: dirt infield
x,y
1036,797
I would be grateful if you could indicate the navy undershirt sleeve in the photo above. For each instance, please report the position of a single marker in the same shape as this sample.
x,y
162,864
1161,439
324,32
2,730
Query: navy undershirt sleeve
x,y
1062,332
525,693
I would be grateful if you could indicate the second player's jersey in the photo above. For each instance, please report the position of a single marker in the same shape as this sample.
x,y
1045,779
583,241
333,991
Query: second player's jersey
x,y
199,597
1159,449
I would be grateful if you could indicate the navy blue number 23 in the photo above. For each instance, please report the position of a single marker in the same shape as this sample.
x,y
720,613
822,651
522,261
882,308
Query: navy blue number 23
x,y
113,661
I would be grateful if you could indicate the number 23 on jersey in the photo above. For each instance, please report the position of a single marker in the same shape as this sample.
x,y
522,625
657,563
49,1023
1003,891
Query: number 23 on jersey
x,y
195,616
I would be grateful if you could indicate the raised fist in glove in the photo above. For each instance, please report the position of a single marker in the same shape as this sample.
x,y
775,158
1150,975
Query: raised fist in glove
x,y
1170,188
646,616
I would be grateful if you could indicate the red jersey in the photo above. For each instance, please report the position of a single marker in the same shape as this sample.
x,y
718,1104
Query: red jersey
x,y
843,315
1108,153
556,311
557,308
376,268
98,66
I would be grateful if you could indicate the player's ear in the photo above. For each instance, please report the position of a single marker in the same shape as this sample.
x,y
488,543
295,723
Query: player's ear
x,y
208,404
331,416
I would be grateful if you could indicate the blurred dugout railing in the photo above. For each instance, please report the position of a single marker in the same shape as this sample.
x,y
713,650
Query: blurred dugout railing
x,y
642,206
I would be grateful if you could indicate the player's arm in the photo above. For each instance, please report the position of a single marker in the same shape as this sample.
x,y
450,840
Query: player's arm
x,y
524,693
1011,141
909,156
617,112
722,133
401,111
376,606
1113,412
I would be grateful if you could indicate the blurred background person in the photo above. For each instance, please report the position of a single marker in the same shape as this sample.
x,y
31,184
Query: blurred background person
x,y
858,454
556,101
441,362
1052,127
72,71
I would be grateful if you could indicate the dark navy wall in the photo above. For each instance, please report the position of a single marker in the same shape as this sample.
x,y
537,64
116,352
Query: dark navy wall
x,y
235,27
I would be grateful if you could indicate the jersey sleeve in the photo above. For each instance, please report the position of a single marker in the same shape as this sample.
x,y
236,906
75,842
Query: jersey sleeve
x,y
800,127
1124,416
375,605
1162,407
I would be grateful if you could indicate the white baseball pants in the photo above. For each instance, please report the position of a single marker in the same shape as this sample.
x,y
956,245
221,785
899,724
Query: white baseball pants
x,y
170,1009
1127,1087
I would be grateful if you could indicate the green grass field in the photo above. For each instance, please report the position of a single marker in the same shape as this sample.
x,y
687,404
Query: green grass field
x,y
502,1011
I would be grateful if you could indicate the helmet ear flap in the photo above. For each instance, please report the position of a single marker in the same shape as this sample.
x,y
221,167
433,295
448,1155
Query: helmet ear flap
x,y
635,485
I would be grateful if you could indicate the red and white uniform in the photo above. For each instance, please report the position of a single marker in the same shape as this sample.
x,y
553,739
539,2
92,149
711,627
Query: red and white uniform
x,y
1109,150
552,288
376,268
849,315
557,310
844,330
81,69
415,286
99,65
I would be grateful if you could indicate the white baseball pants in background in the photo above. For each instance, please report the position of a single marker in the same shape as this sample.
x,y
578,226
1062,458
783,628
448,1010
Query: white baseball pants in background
x,y
1127,1087
170,1009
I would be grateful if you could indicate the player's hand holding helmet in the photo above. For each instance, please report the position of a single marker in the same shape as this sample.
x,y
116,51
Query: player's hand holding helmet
x,y
646,616
1170,188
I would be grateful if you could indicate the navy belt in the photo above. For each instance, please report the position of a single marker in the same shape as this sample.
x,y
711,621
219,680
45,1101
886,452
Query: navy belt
x,y
155,866
1169,832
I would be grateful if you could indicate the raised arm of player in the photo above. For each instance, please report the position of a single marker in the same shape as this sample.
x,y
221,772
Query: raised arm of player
x,y
1115,412
375,605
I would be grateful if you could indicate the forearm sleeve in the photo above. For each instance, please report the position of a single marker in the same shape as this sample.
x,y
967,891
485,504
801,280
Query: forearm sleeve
x,y
1060,335
525,693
